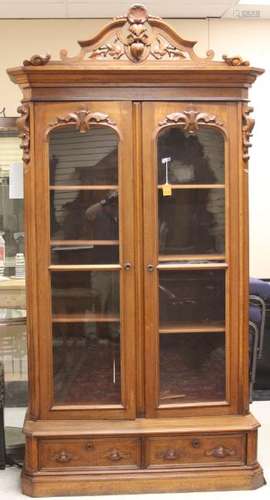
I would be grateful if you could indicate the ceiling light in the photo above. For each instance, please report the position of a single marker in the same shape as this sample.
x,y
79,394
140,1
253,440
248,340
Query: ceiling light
x,y
254,2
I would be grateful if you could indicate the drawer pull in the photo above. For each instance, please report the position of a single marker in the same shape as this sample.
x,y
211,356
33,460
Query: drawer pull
x,y
115,455
64,457
170,454
221,452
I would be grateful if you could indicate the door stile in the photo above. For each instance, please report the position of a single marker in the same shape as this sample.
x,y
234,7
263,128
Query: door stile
x,y
150,262
139,267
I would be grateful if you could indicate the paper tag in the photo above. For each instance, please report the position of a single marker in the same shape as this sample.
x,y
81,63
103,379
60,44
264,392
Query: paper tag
x,y
167,189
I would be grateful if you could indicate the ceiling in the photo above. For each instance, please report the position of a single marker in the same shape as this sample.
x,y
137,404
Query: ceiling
x,y
18,9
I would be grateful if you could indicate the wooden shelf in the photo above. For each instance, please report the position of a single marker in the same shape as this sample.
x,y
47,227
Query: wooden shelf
x,y
188,266
86,318
211,327
84,242
85,267
194,186
81,187
180,258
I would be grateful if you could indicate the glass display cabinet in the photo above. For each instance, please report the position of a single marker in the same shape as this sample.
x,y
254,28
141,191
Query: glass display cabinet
x,y
136,158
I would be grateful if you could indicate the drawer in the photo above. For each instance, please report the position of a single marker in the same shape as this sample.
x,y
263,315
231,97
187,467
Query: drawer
x,y
97,452
195,449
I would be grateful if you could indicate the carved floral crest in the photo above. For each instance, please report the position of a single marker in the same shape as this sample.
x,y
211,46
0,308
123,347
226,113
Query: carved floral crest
x,y
136,37
191,120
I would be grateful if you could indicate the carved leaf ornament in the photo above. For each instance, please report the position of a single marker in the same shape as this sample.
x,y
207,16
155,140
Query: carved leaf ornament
x,y
191,120
82,120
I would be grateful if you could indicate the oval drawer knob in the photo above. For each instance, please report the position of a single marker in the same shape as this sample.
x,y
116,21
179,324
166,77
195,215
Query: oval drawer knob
x,y
170,454
220,452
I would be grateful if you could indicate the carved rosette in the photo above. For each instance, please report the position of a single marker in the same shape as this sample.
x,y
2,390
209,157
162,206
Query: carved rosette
x,y
23,124
137,37
191,120
37,60
82,120
247,127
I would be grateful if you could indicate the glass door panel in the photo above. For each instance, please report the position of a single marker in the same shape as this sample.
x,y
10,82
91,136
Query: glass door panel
x,y
90,261
187,329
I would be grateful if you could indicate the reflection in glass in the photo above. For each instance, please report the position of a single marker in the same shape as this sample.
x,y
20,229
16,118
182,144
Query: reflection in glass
x,y
85,254
86,363
192,297
191,221
88,216
192,368
87,294
88,158
195,159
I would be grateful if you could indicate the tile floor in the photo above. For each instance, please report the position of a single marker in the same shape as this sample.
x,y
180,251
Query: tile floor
x,y
10,478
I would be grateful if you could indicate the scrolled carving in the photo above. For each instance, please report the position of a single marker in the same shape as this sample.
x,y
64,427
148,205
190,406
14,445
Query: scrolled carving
x,y
235,61
23,124
191,120
63,457
82,119
115,455
220,452
247,127
170,454
37,60
136,37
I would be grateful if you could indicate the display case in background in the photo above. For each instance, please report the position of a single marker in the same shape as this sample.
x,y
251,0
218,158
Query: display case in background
x,y
13,349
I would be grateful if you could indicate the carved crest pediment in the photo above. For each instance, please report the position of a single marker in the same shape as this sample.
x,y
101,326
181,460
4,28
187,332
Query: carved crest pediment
x,y
136,37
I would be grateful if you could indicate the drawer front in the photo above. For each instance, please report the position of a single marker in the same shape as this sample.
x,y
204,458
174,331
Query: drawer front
x,y
189,450
98,452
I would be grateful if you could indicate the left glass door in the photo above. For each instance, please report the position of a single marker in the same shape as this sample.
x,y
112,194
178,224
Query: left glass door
x,y
87,259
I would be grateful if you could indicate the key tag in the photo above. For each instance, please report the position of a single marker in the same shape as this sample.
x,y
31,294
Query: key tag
x,y
166,188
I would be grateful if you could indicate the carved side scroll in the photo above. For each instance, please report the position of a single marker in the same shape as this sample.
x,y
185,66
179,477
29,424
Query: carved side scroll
x,y
247,127
136,37
191,120
23,124
82,120
37,60
235,61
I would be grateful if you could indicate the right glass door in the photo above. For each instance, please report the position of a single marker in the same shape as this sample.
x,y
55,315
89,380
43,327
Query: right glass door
x,y
187,259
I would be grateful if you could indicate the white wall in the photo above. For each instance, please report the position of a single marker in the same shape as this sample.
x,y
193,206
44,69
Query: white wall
x,y
20,39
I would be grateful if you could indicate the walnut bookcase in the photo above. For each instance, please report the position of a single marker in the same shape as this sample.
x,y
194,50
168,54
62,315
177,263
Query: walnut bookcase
x,y
136,160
